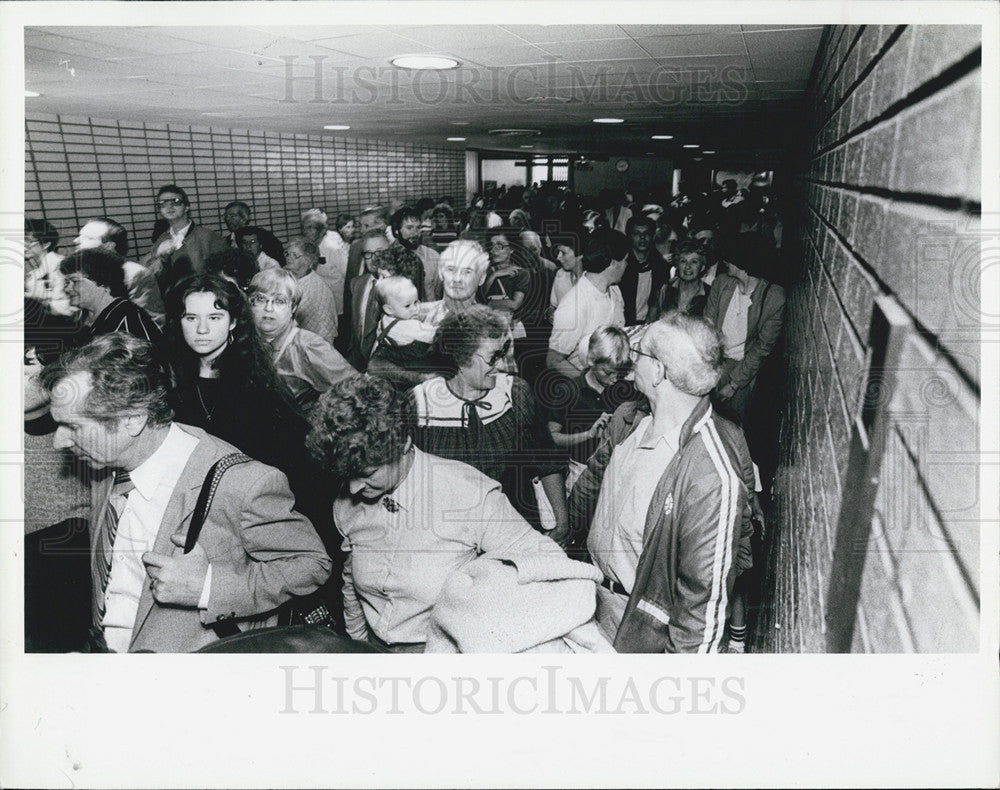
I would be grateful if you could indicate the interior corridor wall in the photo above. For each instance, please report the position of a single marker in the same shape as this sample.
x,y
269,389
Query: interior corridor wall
x,y
883,334
80,168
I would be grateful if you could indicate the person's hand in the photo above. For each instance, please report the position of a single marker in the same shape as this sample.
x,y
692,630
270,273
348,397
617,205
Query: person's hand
x,y
600,424
560,534
165,250
177,580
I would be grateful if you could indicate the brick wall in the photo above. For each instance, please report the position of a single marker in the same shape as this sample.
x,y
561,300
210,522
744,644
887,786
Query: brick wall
x,y
881,424
79,168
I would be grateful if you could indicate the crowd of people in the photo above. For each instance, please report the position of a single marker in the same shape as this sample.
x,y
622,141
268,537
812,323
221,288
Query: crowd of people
x,y
527,424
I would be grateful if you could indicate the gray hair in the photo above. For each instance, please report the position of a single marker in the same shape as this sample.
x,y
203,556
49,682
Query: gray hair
x,y
317,214
465,250
690,350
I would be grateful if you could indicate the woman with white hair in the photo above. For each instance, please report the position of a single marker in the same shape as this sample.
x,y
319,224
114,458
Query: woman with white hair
x,y
308,364
332,252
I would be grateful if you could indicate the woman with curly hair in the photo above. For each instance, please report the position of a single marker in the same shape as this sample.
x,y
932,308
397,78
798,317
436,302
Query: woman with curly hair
x,y
489,419
408,518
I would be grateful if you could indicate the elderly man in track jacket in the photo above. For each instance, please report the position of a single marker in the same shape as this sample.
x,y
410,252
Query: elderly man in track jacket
x,y
671,523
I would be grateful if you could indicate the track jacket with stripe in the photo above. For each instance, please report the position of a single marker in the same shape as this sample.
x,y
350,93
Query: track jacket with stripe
x,y
697,520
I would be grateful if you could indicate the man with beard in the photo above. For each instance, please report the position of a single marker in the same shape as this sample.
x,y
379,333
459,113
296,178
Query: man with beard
x,y
407,230
645,271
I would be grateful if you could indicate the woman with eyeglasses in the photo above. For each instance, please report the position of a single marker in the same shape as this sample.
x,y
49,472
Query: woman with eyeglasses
x,y
489,419
516,283
307,364
181,238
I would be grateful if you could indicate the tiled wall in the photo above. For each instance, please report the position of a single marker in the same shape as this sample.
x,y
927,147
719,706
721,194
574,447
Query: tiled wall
x,y
892,213
79,168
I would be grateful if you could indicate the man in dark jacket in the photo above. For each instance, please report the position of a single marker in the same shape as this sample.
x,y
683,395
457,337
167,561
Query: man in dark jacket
x,y
645,271
670,526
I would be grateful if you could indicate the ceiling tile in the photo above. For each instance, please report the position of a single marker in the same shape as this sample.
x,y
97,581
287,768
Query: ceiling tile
x,y
609,49
784,40
450,37
639,31
504,56
538,34
681,46
378,46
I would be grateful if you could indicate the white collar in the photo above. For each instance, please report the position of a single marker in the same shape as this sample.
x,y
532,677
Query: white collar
x,y
182,232
161,468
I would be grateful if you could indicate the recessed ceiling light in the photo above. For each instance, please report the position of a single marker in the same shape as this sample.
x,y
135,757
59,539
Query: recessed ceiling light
x,y
609,120
708,152
527,146
663,137
31,94
690,145
431,62
337,127
459,123
455,139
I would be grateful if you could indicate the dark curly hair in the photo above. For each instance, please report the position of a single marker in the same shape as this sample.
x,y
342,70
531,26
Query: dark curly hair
x,y
244,362
101,266
359,424
399,261
234,263
460,333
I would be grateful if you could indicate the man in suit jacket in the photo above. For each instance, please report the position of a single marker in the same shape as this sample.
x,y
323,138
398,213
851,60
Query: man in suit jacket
x,y
182,239
364,309
109,403
749,311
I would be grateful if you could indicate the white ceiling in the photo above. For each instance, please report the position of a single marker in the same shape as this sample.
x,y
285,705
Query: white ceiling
x,y
732,88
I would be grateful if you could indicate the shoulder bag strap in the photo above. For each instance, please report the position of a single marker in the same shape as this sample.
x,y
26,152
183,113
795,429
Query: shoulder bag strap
x,y
222,628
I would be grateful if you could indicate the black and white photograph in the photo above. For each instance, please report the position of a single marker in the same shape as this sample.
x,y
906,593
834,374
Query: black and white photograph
x,y
552,335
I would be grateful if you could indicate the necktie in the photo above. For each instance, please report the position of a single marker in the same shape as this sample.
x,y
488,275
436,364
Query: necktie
x,y
106,541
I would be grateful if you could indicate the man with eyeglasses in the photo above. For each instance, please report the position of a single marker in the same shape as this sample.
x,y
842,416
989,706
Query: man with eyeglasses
x,y
182,238
671,524
363,309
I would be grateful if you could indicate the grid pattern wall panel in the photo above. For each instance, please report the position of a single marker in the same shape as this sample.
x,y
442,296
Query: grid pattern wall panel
x,y
891,202
80,168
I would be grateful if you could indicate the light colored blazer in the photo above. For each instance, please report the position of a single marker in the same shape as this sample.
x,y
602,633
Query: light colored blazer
x,y
764,321
261,551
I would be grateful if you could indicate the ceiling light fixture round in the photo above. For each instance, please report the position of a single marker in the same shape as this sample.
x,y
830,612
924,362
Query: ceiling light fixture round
x,y
337,127
424,62
609,120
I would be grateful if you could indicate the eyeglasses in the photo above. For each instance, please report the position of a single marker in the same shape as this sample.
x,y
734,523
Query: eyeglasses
x,y
497,356
279,302
499,245
370,254
170,202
